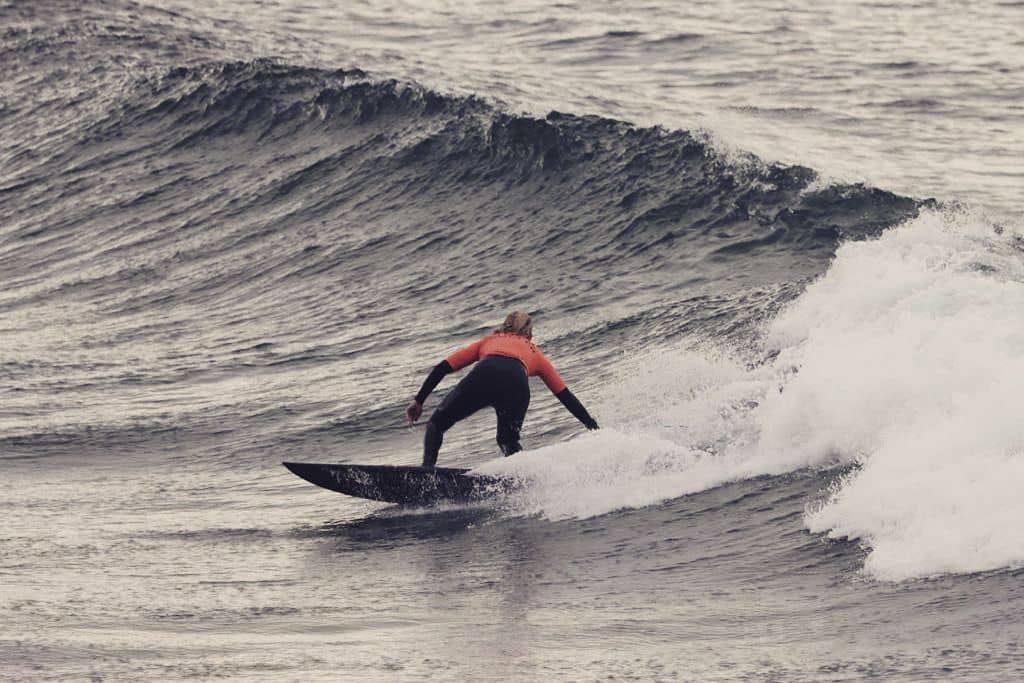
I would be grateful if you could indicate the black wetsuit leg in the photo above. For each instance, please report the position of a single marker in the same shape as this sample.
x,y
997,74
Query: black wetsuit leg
x,y
495,381
465,399
510,405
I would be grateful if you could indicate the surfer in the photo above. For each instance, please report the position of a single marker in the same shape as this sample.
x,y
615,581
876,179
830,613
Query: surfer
x,y
506,358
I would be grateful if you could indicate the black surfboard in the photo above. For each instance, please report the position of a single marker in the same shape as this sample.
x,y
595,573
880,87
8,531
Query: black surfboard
x,y
405,485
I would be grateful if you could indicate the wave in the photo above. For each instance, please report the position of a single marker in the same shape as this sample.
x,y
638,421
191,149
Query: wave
x,y
309,209
393,174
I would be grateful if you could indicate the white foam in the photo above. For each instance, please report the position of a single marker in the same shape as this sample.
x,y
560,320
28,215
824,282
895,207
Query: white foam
x,y
677,423
906,357
911,355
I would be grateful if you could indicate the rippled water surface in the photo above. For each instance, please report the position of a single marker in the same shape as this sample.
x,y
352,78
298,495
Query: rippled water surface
x,y
774,248
919,97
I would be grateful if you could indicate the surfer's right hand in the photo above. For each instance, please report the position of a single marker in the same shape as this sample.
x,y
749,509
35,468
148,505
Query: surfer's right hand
x,y
413,411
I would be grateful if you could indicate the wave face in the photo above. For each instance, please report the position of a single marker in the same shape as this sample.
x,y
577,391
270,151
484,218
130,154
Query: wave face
x,y
257,214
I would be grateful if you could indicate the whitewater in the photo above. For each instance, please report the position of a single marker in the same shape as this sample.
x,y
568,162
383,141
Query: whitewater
x,y
775,248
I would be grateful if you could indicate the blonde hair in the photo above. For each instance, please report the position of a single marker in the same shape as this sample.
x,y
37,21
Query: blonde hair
x,y
518,322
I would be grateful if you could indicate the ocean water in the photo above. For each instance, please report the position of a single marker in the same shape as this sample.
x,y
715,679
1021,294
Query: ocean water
x,y
775,248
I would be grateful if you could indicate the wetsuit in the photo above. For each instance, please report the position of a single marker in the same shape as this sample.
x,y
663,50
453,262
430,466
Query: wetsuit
x,y
499,380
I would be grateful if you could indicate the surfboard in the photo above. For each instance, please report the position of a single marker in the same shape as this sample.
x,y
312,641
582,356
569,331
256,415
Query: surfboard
x,y
405,485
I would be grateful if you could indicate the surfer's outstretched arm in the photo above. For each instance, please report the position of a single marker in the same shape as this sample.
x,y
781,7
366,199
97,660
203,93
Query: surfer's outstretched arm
x,y
415,409
573,405
557,386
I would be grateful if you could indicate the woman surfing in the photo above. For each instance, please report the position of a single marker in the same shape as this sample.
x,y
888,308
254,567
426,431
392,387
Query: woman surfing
x,y
504,360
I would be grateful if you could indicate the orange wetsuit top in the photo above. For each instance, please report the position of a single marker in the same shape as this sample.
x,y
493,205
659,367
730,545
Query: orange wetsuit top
x,y
512,346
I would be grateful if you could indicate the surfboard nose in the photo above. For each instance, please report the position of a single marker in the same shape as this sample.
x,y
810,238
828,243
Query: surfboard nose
x,y
313,473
